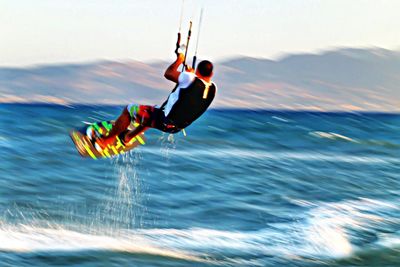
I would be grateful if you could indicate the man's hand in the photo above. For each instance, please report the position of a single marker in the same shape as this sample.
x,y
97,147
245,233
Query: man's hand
x,y
189,69
180,58
172,72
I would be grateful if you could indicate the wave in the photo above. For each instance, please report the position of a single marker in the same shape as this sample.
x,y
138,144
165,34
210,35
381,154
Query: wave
x,y
350,226
277,156
333,136
327,231
27,239
4,142
280,119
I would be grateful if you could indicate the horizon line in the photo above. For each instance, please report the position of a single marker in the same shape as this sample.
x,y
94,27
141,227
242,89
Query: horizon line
x,y
227,108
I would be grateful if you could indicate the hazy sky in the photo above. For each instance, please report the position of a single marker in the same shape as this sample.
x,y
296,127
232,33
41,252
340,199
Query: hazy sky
x,y
53,31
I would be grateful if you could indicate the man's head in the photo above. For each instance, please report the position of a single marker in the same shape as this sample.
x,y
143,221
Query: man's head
x,y
205,68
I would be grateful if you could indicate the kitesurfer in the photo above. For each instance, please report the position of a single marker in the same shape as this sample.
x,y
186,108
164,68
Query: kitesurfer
x,y
192,95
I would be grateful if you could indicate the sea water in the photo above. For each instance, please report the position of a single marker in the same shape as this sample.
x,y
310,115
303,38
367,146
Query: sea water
x,y
243,188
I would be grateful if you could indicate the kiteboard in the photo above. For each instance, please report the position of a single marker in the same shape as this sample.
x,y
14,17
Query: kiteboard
x,y
84,140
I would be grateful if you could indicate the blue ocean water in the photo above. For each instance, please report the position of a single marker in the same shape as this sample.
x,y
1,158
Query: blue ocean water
x,y
243,188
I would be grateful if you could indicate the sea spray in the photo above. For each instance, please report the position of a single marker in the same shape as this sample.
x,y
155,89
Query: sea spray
x,y
168,145
125,206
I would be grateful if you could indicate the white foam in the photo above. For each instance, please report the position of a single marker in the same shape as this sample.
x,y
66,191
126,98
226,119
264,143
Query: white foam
x,y
333,136
330,223
323,233
25,238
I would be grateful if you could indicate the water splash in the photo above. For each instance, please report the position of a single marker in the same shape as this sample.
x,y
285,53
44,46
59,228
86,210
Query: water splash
x,y
125,204
122,206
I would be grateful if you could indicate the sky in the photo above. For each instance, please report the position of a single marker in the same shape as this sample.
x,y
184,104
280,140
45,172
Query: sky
x,y
65,31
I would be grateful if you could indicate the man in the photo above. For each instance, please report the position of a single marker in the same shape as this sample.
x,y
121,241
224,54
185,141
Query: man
x,y
191,97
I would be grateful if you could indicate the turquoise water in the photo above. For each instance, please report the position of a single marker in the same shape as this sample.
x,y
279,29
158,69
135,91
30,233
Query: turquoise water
x,y
243,188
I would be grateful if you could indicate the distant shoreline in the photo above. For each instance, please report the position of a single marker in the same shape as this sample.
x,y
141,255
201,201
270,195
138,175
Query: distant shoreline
x,y
343,80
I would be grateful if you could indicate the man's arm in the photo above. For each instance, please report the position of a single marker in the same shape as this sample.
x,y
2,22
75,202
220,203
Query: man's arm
x,y
172,73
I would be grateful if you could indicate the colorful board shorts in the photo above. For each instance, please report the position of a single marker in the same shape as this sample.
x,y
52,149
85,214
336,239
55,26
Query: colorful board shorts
x,y
150,116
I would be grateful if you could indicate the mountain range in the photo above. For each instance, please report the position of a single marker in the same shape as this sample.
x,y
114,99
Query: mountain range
x,y
346,79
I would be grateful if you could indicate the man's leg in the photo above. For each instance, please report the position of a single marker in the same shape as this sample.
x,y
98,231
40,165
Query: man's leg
x,y
131,134
120,125
142,114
